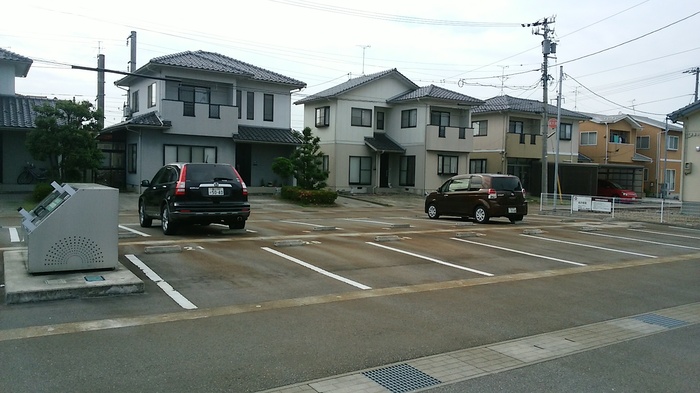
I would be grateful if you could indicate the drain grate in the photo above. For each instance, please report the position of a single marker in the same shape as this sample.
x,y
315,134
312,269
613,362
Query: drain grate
x,y
656,319
401,378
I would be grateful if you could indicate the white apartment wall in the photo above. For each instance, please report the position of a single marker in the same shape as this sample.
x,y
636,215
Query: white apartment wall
x,y
690,183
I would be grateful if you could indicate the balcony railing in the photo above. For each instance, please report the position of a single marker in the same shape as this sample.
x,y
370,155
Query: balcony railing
x,y
524,145
455,139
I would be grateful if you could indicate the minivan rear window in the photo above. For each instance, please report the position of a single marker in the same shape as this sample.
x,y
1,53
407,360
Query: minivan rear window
x,y
506,184
208,172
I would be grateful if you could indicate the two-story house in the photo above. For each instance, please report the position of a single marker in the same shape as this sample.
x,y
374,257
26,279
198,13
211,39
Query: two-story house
x,y
508,139
665,151
383,133
17,119
690,147
610,141
201,107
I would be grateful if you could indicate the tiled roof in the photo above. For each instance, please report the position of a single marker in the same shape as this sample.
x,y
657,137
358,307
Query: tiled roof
x,y
210,61
685,111
611,119
284,136
507,103
436,92
344,87
382,143
657,123
18,111
146,120
22,63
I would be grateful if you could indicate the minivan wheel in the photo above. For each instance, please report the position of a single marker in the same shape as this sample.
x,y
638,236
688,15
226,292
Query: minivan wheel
x,y
168,227
480,215
144,220
432,212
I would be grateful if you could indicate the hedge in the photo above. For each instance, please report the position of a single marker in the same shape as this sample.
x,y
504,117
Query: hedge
x,y
309,197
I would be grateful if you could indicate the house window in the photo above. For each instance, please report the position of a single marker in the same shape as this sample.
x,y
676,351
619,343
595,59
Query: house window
x,y
646,174
135,101
325,163
268,107
250,105
190,95
186,153
323,115
380,120
440,119
477,166
589,138
239,102
515,127
480,127
409,118
360,170
672,143
361,117
565,131
447,165
407,171
131,159
643,142
152,95
670,179
214,111
462,133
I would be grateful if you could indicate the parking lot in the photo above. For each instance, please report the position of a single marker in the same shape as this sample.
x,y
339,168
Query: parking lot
x,y
306,293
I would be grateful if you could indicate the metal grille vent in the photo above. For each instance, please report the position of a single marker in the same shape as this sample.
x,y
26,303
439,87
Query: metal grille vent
x,y
74,250
401,378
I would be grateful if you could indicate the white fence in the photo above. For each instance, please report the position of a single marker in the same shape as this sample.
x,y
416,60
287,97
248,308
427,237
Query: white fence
x,y
645,209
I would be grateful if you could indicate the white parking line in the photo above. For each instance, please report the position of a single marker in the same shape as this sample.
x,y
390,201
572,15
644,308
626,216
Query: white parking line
x,y
14,235
134,231
431,259
367,221
317,269
520,252
665,234
589,246
167,288
639,240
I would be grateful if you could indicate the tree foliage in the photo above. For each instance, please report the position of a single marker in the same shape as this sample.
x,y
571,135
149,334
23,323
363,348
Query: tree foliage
x,y
65,137
305,163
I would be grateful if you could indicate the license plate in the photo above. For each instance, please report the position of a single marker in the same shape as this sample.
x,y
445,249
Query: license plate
x,y
216,191
512,210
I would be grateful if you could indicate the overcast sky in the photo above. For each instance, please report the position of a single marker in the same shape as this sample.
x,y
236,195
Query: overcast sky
x,y
618,56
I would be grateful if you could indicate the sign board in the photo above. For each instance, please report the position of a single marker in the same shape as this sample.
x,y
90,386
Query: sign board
x,y
552,123
589,204
581,203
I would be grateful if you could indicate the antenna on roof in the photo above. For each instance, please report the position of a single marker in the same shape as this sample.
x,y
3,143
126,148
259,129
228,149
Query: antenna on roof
x,y
364,47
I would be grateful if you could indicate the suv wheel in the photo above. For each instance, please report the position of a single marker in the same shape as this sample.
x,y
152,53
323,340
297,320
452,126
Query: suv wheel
x,y
432,212
480,215
144,220
168,226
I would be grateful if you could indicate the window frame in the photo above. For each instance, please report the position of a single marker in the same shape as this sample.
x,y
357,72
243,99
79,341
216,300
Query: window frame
x,y
361,117
239,102
152,95
676,141
513,127
449,162
409,118
643,146
568,129
407,171
588,135
482,126
182,149
135,101
322,116
362,170
268,107
478,165
670,179
250,105
380,120
132,156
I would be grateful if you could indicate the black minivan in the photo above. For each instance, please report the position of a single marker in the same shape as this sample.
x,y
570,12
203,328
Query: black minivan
x,y
480,196
194,193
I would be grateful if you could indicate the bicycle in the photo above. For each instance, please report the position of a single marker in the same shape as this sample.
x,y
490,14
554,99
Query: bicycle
x,y
31,174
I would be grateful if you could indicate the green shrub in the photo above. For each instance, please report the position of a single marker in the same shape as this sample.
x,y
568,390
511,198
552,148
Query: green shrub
x,y
309,197
41,191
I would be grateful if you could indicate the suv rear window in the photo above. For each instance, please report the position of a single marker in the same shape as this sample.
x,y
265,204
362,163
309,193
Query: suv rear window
x,y
208,172
506,184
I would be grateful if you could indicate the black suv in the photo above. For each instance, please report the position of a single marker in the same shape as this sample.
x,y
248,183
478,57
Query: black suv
x,y
194,193
480,196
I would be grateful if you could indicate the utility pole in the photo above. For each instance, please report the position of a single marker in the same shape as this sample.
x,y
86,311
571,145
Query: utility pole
x,y
548,47
131,39
364,47
696,72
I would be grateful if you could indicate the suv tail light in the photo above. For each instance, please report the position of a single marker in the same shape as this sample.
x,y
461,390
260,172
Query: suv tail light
x,y
492,194
244,189
180,186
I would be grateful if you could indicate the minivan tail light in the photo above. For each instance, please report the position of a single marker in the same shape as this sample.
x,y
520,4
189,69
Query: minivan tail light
x,y
244,189
180,186
492,194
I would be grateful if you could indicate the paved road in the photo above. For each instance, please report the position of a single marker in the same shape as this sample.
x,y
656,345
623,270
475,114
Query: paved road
x,y
385,286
